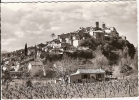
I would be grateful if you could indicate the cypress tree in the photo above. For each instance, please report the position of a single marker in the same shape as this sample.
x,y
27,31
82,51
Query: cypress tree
x,y
26,50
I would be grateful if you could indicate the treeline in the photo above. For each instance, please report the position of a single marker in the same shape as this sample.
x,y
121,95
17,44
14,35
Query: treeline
x,y
113,50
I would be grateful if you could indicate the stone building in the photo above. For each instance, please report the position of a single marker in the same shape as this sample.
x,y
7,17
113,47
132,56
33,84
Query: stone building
x,y
86,75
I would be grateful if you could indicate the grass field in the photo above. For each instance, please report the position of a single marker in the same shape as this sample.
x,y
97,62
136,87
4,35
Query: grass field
x,y
42,89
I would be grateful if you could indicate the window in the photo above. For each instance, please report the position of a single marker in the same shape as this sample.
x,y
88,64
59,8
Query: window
x,y
100,75
84,76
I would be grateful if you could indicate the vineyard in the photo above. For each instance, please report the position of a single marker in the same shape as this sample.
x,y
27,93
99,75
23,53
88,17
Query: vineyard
x,y
104,89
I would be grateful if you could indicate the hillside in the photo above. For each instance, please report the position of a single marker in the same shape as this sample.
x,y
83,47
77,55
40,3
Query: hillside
x,y
87,47
4,51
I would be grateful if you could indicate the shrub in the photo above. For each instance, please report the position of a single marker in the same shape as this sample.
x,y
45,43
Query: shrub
x,y
29,83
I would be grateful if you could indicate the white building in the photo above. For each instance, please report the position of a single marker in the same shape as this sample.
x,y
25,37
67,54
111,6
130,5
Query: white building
x,y
111,32
34,66
76,43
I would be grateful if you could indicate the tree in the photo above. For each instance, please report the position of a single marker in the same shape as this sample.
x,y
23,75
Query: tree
x,y
136,59
53,36
6,78
107,48
26,50
125,51
125,61
131,50
100,61
29,83
90,42
65,67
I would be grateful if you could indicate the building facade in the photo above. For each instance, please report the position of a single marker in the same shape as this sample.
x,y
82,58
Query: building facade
x,y
87,75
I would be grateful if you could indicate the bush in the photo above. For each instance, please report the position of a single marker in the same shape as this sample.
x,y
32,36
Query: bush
x,y
28,83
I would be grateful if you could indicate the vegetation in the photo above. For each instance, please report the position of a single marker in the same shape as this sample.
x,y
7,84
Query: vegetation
x,y
43,90
118,57
90,42
53,36
100,61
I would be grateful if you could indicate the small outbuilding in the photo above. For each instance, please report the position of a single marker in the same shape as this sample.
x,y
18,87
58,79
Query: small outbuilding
x,y
90,75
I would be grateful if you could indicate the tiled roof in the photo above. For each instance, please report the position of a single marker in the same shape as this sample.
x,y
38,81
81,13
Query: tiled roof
x,y
89,71
88,28
64,36
41,45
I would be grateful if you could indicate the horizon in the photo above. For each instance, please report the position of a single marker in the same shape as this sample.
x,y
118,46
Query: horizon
x,y
33,23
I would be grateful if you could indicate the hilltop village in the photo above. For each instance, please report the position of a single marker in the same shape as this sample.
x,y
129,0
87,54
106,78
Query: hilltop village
x,y
83,43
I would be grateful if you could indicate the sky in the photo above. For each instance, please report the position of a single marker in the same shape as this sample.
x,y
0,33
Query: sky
x,y
33,23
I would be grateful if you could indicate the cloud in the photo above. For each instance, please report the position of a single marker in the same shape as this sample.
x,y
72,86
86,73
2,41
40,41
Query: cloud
x,y
7,42
33,23
54,28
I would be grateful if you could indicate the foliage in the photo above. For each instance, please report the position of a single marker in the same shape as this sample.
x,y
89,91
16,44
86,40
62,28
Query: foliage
x,y
87,54
121,44
6,76
28,83
65,66
118,44
100,61
125,67
131,50
135,62
90,42
53,35
50,73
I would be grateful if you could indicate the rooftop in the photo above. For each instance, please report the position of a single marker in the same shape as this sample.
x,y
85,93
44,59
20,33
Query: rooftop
x,y
89,71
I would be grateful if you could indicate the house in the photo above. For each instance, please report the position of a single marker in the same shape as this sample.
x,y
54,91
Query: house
x,y
99,35
86,74
52,44
40,46
16,68
103,34
83,48
74,38
34,66
111,32
56,51
16,74
13,70
97,32
65,38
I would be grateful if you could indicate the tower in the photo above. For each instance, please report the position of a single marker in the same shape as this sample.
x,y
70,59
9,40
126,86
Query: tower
x,y
103,25
97,25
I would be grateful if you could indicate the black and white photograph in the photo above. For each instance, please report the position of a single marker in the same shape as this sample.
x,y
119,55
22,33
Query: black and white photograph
x,y
69,50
